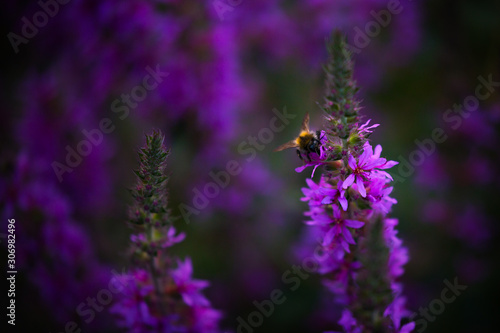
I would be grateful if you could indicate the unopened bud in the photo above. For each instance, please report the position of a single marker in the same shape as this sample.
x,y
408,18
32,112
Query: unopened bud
x,y
354,139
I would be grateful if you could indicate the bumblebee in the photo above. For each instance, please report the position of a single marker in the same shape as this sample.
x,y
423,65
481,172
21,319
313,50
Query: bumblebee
x,y
307,142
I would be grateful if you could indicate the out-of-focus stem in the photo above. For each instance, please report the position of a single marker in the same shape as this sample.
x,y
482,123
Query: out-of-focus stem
x,y
154,275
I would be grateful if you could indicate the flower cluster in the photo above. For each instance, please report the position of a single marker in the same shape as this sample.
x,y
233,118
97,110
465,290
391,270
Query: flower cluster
x,y
160,293
349,205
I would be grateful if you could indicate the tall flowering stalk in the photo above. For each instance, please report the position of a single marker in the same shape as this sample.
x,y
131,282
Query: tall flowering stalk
x,y
160,294
363,256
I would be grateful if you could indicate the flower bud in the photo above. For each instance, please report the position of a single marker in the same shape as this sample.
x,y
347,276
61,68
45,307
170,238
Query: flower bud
x,y
354,139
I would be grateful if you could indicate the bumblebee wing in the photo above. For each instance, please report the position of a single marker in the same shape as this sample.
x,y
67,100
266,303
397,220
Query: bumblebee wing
x,y
289,144
305,123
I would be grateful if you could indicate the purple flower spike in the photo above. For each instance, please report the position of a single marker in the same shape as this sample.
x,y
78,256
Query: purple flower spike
x,y
348,210
163,298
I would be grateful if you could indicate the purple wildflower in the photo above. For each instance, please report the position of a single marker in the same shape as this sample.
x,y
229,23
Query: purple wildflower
x,y
171,239
335,194
162,286
366,129
338,226
132,309
365,166
348,207
186,286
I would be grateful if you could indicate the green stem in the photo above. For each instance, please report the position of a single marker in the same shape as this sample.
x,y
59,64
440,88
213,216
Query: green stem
x,y
154,275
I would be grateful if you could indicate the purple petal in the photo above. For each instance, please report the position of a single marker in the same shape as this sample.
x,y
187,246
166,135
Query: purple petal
x,y
361,187
322,219
365,124
329,237
326,200
311,183
352,162
328,191
347,319
407,328
345,246
354,223
367,154
385,174
306,191
389,164
377,152
336,212
375,163
349,180
301,168
314,170
323,138
365,128
348,236
343,203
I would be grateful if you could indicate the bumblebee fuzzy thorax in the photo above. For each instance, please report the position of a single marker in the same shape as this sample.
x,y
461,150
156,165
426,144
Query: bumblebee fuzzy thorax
x,y
304,138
